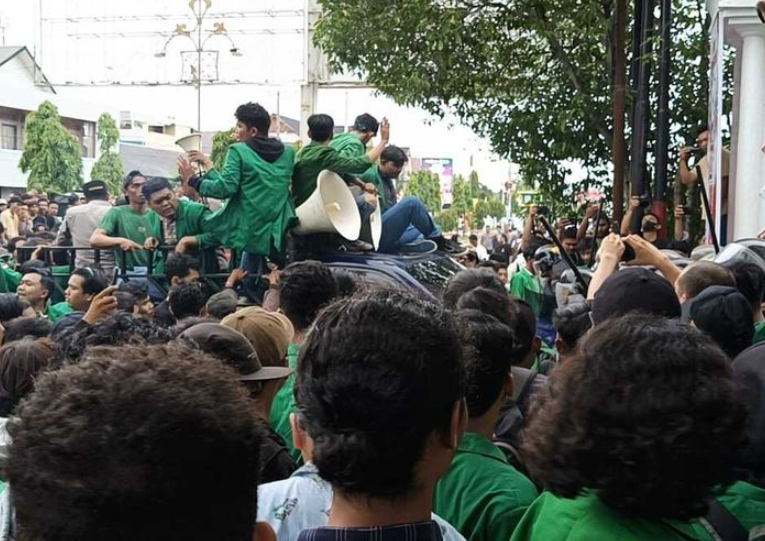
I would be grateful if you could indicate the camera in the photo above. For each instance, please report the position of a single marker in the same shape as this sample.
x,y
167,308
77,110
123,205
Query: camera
x,y
543,210
645,201
629,253
687,211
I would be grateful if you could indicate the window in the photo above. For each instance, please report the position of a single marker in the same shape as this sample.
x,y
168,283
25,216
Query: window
x,y
88,150
434,273
10,137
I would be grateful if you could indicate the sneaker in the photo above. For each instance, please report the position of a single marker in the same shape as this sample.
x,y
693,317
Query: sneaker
x,y
358,246
419,248
450,247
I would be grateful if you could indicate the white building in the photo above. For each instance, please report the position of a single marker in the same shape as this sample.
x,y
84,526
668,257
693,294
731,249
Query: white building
x,y
743,30
23,87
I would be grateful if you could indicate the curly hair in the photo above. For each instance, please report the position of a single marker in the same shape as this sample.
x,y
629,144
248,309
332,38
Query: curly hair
x,y
147,443
186,300
118,330
377,376
645,415
305,288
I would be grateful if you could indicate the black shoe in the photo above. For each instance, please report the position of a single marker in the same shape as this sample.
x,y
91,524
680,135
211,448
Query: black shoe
x,y
358,246
449,246
419,248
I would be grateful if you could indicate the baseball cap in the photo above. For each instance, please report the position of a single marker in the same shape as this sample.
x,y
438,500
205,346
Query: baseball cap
x,y
222,303
725,315
94,188
270,333
635,290
233,347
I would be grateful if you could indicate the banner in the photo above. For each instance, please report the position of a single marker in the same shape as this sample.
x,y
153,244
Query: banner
x,y
444,168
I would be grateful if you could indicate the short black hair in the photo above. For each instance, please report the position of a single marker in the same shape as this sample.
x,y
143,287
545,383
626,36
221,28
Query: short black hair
x,y
585,245
22,361
366,123
180,265
154,185
158,424
750,281
136,288
467,280
701,275
254,115
186,300
701,128
394,155
533,246
94,280
572,322
129,178
570,232
369,363
645,416
46,280
27,327
487,363
321,127
11,307
472,237
305,288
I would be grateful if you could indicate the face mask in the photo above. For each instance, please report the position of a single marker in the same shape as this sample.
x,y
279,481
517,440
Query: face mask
x,y
649,227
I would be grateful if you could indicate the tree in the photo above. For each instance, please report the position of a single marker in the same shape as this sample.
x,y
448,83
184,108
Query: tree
x,y
220,143
448,219
427,188
534,76
462,199
490,208
51,154
109,166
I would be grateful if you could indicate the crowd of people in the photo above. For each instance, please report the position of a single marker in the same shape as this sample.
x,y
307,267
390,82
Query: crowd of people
x,y
517,405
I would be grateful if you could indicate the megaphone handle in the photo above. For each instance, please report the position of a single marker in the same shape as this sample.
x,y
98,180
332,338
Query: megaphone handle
x,y
332,207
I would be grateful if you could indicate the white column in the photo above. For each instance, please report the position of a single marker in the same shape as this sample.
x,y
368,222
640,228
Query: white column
x,y
750,206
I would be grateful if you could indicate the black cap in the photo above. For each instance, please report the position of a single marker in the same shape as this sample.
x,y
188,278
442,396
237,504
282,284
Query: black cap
x,y
94,188
634,290
749,379
725,315
234,348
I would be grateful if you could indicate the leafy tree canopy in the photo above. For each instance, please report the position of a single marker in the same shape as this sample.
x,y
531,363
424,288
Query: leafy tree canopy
x,y
109,166
427,188
51,154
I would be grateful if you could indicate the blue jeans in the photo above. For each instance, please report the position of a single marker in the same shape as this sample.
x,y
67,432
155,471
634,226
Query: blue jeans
x,y
405,222
255,265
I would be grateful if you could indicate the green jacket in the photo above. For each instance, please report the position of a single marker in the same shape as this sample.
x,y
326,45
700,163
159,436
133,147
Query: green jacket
x,y
586,518
284,404
193,221
349,146
482,495
315,158
258,211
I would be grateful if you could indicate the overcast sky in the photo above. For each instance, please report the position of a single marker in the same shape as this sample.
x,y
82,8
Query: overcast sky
x,y
104,49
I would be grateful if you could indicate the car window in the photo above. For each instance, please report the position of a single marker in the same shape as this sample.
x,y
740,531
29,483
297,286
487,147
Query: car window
x,y
369,278
434,273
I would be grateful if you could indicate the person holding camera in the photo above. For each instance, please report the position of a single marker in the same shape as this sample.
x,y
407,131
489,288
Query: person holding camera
x,y
650,226
690,175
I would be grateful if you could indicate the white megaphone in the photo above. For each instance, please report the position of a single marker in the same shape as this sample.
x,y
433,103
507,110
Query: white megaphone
x,y
375,225
190,142
330,209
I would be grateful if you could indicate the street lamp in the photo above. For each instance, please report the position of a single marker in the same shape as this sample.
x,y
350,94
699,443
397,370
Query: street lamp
x,y
199,36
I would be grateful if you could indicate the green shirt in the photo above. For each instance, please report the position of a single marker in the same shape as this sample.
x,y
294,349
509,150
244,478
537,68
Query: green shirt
x,y
192,220
9,280
315,158
58,311
586,518
759,332
124,222
526,287
284,404
258,211
482,495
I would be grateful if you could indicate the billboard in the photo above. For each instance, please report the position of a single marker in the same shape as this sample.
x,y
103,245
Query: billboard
x,y
444,168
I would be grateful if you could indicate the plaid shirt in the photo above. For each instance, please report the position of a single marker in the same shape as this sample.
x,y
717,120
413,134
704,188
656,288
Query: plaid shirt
x,y
424,531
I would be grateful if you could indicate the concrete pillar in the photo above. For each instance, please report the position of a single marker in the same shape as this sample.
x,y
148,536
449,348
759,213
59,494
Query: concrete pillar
x,y
750,204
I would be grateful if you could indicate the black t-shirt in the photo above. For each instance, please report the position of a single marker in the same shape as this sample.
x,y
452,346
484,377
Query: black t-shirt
x,y
275,458
163,316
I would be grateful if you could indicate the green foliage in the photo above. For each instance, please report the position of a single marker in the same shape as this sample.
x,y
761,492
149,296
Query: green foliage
x,y
108,167
534,76
448,219
462,198
51,154
427,188
220,143
489,208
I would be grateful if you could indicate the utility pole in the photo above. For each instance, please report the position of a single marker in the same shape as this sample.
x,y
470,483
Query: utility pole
x,y
619,149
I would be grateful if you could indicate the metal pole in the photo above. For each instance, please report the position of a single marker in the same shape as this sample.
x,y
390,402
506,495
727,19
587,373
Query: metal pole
x,y
707,209
594,250
199,66
620,104
640,115
662,136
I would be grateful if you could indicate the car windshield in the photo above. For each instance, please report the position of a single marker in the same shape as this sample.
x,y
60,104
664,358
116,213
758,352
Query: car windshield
x,y
434,273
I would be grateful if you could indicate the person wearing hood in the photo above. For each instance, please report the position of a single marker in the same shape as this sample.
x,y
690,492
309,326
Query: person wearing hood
x,y
256,182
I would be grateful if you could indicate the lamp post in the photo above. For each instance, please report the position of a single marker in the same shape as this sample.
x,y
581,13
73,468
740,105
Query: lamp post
x,y
199,36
